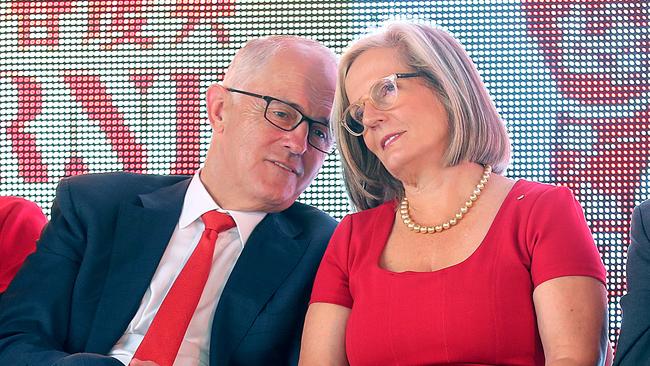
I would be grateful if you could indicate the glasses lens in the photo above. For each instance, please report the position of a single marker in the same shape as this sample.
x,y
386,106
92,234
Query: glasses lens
x,y
282,114
383,93
319,137
354,118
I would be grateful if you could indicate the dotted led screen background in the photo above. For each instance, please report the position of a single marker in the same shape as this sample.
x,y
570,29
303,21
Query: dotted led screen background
x,y
96,86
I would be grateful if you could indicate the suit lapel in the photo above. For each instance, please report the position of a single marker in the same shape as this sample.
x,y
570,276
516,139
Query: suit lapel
x,y
142,233
269,256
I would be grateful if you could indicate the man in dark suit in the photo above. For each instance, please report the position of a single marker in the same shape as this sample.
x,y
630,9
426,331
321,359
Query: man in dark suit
x,y
633,347
117,242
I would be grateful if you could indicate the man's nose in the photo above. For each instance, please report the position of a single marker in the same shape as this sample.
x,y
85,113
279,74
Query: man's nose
x,y
296,139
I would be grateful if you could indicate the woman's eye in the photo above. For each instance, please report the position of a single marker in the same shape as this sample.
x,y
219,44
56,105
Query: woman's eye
x,y
358,114
386,89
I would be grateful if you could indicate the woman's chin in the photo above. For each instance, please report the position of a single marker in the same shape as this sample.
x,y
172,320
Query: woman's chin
x,y
396,170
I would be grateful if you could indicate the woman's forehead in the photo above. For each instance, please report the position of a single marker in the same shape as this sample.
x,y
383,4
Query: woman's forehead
x,y
370,66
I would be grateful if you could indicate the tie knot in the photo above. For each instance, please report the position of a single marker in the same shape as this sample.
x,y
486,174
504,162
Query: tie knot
x,y
217,221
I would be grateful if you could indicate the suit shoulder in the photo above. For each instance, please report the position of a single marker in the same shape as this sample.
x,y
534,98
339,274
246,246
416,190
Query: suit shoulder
x,y
643,207
120,182
640,220
123,177
107,190
310,214
314,224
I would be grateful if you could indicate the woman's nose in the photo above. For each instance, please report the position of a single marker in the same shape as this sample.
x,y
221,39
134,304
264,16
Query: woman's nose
x,y
372,116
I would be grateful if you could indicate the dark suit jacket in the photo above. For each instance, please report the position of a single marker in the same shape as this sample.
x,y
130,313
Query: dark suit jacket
x,y
75,296
633,346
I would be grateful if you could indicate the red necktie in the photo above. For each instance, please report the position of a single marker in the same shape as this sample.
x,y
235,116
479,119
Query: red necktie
x,y
166,332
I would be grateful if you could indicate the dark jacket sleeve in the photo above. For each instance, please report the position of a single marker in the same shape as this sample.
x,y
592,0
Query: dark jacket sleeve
x,y
35,310
633,346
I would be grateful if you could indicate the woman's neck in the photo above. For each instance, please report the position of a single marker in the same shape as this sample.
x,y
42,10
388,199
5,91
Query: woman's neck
x,y
436,194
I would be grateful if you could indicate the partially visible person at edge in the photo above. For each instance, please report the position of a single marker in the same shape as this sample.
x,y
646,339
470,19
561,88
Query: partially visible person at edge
x,y
448,261
21,222
109,284
633,347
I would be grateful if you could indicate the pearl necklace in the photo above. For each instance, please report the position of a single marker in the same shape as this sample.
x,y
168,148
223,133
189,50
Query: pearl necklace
x,y
412,225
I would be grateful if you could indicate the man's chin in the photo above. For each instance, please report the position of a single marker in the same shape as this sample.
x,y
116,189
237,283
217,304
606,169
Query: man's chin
x,y
278,206
275,202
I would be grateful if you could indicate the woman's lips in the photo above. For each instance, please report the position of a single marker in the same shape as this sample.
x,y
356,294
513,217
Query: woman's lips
x,y
390,139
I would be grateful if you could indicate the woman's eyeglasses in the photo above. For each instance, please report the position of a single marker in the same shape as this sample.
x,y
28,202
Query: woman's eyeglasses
x,y
383,95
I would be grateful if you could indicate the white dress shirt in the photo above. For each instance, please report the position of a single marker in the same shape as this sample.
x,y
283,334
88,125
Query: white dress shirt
x,y
195,348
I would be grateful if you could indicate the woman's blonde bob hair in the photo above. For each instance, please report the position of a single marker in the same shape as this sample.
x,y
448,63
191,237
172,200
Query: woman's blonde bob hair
x,y
476,133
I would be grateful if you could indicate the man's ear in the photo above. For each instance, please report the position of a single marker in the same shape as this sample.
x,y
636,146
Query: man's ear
x,y
216,100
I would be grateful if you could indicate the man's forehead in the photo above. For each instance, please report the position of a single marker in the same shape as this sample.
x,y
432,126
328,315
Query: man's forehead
x,y
292,62
296,84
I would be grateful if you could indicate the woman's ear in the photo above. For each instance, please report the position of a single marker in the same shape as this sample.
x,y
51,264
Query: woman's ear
x,y
216,100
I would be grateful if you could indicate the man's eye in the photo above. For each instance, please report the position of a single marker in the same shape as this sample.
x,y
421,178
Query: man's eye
x,y
319,134
281,114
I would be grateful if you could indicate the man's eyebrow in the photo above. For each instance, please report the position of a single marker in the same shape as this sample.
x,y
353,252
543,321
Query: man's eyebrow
x,y
292,104
299,109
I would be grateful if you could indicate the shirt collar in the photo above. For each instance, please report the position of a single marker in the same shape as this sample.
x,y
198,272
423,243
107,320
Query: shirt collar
x,y
198,201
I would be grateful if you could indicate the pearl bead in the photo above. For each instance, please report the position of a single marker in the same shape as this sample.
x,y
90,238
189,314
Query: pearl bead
x,y
423,229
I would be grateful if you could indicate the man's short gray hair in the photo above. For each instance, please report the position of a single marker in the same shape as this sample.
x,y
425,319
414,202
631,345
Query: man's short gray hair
x,y
258,51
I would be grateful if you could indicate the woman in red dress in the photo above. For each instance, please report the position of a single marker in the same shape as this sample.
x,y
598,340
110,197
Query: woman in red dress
x,y
447,261
21,222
